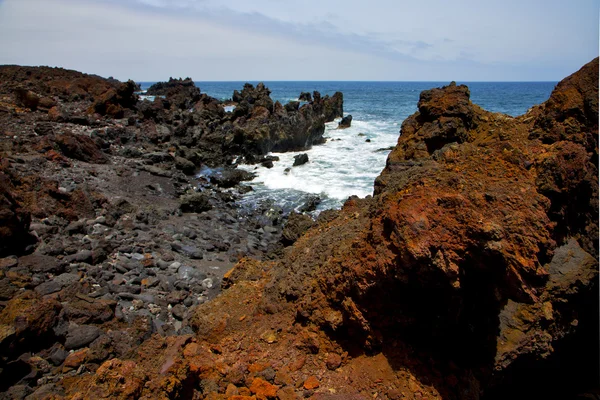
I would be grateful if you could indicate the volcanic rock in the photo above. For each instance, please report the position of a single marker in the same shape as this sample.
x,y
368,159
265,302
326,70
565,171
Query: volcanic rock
x,y
300,159
345,122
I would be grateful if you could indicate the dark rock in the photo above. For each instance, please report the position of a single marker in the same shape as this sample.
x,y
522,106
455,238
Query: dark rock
x,y
87,310
189,251
81,336
333,107
310,204
296,226
6,289
44,128
185,165
14,220
346,122
179,311
114,101
300,159
195,202
40,263
162,88
58,355
48,288
230,177
267,164
158,157
259,96
26,98
81,256
305,96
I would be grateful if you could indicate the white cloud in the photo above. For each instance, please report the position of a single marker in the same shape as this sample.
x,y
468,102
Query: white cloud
x,y
312,39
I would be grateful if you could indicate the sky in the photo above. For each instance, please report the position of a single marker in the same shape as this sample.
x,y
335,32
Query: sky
x,y
239,40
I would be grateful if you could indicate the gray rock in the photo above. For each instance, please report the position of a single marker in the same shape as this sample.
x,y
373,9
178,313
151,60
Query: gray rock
x,y
300,159
58,356
179,311
162,264
56,284
189,251
81,256
188,273
81,336
195,202
158,157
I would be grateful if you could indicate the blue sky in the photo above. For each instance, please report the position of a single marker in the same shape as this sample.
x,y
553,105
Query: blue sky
x,y
434,40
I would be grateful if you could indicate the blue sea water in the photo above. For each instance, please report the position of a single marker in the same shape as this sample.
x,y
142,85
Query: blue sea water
x,y
347,164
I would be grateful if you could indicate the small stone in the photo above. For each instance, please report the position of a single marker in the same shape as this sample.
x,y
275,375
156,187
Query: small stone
x,y
263,389
75,359
311,383
178,311
137,304
333,361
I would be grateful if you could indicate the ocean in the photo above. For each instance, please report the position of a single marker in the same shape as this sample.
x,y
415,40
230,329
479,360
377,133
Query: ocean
x,y
350,160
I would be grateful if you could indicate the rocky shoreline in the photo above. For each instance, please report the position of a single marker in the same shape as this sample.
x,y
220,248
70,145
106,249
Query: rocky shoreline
x,y
471,273
107,235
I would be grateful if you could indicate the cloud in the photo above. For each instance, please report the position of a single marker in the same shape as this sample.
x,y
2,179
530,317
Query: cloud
x,y
279,40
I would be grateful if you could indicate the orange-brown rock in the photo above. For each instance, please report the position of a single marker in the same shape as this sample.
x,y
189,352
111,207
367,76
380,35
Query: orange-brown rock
x,y
75,359
263,389
28,323
311,383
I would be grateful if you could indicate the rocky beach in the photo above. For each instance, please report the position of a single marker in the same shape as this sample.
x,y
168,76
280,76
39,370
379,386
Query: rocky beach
x,y
129,269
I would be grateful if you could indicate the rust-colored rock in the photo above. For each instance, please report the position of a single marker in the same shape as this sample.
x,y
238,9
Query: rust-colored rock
x,y
311,383
75,359
263,389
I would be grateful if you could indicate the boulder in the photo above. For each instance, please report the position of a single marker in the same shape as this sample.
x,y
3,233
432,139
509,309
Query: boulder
x,y
300,159
27,98
196,202
230,177
345,122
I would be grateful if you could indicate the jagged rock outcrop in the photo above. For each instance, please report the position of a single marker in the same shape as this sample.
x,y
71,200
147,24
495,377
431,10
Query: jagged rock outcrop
x,y
115,101
459,278
346,122
163,88
259,126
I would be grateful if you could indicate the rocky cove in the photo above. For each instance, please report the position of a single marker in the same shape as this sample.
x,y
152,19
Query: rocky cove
x,y
471,273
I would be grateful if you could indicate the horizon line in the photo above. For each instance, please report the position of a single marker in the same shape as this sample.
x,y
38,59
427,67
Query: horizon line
x,y
353,81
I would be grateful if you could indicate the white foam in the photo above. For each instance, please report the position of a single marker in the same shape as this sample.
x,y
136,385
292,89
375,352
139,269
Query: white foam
x,y
345,165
